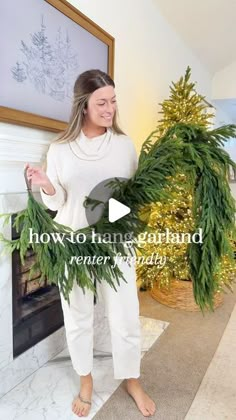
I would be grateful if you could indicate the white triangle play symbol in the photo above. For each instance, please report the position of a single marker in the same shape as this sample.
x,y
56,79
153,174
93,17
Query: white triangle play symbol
x,y
116,210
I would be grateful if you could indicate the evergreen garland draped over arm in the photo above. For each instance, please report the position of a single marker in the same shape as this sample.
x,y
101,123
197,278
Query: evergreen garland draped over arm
x,y
184,148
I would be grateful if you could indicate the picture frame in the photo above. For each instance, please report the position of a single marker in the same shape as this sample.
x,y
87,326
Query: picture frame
x,y
52,44
232,175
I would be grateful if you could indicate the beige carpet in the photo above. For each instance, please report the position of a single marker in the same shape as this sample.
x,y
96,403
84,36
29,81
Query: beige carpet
x,y
173,369
216,397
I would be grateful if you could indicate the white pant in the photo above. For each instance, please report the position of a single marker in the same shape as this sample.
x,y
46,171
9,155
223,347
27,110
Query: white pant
x,y
122,309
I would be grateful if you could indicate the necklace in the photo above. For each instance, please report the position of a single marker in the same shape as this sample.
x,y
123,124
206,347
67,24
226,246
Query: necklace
x,y
79,146
106,142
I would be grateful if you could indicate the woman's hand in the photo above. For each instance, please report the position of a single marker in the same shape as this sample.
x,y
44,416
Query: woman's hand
x,y
37,176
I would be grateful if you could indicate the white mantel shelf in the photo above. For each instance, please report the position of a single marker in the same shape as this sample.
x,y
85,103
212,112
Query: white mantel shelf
x,y
19,145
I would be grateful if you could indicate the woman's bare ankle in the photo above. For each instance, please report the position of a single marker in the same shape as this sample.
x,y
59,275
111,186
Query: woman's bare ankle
x,y
86,378
82,402
132,380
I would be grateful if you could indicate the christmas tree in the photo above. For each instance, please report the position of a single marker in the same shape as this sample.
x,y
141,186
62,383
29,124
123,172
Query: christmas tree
x,y
175,214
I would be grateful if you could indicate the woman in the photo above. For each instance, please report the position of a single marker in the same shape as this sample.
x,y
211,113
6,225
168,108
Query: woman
x,y
93,148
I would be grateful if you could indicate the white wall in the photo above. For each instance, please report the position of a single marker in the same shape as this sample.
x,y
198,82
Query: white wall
x,y
221,117
230,146
224,83
148,56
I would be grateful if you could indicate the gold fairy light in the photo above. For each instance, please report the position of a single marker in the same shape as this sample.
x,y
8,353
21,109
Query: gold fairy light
x,y
187,106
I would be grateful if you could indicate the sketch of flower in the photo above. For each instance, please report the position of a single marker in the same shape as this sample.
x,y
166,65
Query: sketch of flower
x,y
51,67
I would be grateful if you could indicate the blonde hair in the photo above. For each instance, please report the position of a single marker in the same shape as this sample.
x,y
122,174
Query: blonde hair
x,y
85,85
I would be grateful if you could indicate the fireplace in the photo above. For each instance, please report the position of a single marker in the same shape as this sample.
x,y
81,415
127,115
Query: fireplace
x,y
18,326
36,305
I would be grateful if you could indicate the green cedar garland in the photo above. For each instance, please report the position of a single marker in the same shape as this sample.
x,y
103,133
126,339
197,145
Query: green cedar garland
x,y
189,148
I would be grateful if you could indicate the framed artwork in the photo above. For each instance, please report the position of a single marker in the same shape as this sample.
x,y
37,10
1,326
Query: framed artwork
x,y
232,175
44,46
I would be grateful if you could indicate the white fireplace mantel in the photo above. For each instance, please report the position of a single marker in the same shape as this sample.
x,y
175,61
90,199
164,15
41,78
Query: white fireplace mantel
x,y
19,145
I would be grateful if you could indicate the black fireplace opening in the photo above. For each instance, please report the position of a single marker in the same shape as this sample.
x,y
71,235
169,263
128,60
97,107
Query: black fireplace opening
x,y
36,304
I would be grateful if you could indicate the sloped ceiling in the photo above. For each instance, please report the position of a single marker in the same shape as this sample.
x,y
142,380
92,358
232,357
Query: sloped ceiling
x,y
208,27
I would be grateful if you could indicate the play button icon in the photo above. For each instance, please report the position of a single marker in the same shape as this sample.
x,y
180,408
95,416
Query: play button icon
x,y
103,194
116,210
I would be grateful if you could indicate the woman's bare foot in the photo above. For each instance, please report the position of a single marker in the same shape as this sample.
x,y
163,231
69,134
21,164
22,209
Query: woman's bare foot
x,y
144,403
80,405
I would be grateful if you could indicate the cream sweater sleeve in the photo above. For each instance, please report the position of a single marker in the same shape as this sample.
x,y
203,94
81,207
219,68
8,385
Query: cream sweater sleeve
x,y
55,201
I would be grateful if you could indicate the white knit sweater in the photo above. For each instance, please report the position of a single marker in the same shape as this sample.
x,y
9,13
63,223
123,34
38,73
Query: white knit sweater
x,y
75,168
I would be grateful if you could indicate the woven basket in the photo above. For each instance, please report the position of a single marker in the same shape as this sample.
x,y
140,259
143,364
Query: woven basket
x,y
180,296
